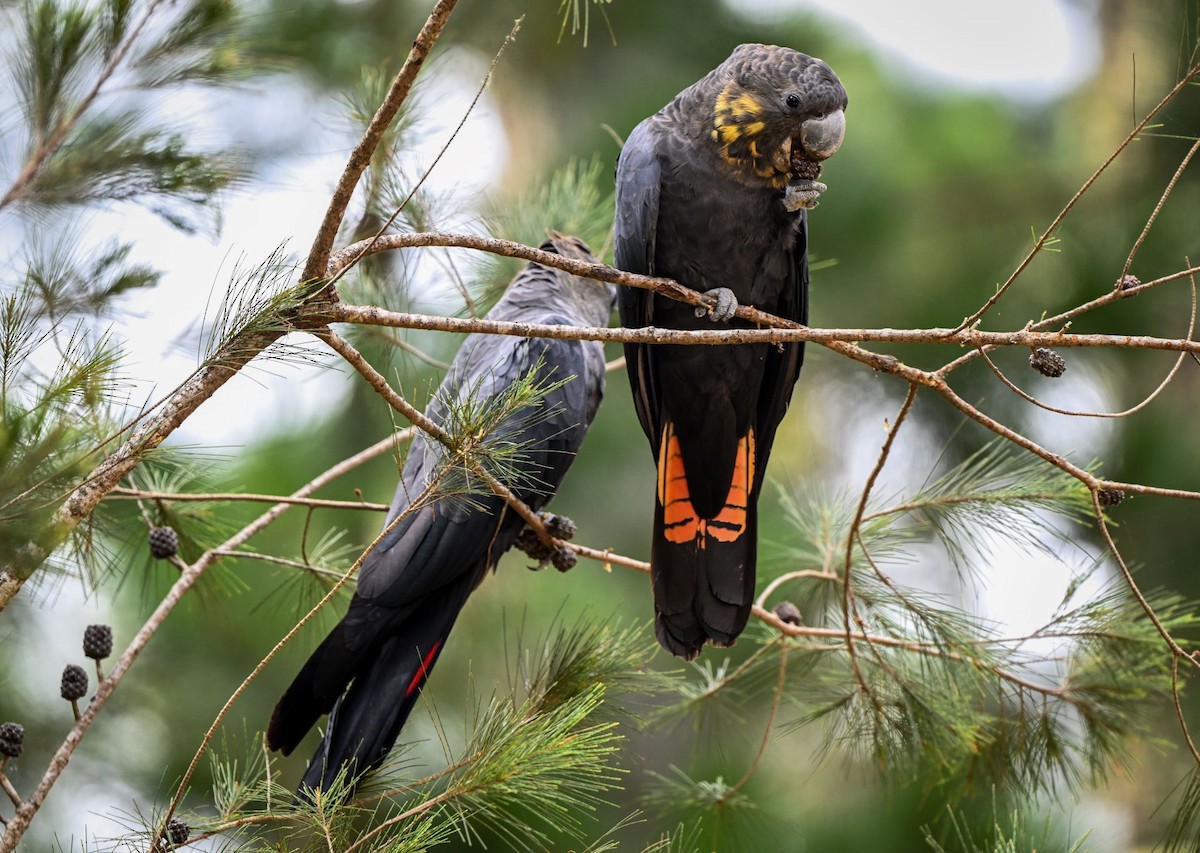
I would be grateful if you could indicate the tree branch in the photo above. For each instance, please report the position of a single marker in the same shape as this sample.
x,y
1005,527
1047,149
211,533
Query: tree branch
x,y
188,577
360,157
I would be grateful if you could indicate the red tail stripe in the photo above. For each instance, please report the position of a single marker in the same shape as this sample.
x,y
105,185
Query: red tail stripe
x,y
423,672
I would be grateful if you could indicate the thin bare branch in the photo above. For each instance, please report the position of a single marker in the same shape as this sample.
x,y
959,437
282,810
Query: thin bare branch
x,y
852,534
1137,244
789,577
1041,241
215,497
1029,398
1102,523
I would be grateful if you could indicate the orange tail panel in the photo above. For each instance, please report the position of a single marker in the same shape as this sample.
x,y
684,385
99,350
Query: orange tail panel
x,y
680,521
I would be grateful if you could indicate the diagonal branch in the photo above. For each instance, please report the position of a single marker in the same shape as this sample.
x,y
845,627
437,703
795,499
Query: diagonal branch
x,y
1041,241
20,823
360,157
418,419
205,497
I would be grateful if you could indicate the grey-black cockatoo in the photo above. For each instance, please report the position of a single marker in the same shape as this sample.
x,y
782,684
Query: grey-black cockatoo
x,y
368,673
713,191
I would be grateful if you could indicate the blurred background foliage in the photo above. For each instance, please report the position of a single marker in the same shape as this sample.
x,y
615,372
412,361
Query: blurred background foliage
x,y
931,204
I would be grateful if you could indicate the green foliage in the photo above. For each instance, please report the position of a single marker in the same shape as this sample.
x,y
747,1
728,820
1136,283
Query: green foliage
x,y
486,423
573,659
49,420
1008,833
48,69
110,159
262,301
575,199
530,770
723,817
62,282
81,151
578,14
203,43
1184,833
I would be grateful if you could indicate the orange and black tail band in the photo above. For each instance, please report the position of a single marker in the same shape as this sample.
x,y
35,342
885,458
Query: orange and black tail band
x,y
681,523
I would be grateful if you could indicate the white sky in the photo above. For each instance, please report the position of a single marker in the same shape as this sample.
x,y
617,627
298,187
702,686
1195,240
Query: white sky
x,y
1018,48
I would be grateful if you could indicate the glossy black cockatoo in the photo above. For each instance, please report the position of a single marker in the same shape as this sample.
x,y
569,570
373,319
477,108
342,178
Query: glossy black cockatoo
x,y
368,673
713,191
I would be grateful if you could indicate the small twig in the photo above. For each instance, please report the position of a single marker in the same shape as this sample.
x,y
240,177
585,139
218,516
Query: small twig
x,y
415,351
1137,244
212,497
1102,522
847,574
304,536
1183,726
780,681
10,790
802,574
952,500
282,561
1041,241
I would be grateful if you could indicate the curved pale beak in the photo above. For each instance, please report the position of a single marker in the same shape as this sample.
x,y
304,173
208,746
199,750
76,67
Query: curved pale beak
x,y
822,137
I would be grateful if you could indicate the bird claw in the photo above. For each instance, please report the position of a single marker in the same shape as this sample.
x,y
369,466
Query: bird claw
x,y
802,194
726,305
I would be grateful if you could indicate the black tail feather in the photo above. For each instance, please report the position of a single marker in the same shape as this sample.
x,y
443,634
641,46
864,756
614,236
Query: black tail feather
x,y
702,594
366,721
313,691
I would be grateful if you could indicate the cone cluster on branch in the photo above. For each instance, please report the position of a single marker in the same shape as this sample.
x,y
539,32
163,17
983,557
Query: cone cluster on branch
x,y
1048,363
164,542
12,739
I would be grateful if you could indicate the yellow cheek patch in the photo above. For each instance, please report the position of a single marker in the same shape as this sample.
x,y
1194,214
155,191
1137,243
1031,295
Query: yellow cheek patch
x,y
735,119
735,105
745,105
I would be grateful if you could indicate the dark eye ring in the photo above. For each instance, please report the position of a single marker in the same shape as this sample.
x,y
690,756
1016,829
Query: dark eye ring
x,y
792,100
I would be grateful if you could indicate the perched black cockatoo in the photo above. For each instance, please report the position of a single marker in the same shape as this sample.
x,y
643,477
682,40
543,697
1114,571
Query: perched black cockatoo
x,y
713,191
413,585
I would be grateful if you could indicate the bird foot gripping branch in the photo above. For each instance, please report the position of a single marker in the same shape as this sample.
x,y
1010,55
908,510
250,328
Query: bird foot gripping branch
x,y
724,308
